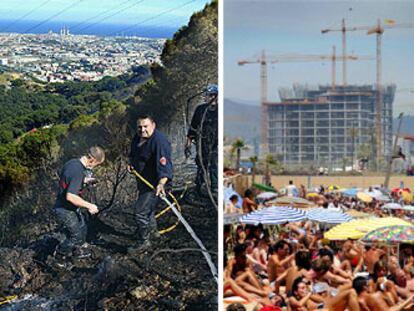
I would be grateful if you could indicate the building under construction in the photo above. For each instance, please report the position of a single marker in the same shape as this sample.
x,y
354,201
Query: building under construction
x,y
326,128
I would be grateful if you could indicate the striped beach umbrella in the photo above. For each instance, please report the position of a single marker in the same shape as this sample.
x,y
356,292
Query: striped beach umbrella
x,y
274,215
328,216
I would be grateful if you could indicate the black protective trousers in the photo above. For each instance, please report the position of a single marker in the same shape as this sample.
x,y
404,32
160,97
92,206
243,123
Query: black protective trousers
x,y
211,166
144,209
73,224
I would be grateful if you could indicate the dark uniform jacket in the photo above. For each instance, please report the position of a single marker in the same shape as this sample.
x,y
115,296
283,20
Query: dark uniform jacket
x,y
152,159
71,179
209,134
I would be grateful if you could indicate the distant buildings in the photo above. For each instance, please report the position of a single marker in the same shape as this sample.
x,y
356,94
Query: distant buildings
x,y
325,128
61,57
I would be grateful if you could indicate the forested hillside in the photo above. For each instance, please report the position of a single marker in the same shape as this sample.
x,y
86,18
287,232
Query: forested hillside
x,y
26,105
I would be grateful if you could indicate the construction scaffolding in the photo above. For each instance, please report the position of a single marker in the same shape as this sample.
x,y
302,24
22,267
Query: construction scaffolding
x,y
326,128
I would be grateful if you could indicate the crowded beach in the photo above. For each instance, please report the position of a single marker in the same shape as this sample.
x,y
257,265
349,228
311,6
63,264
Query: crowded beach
x,y
303,248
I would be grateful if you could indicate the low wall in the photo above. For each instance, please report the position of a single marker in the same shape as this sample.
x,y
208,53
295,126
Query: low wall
x,y
241,183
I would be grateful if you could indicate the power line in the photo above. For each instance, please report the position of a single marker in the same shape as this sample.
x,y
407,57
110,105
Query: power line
x,y
98,15
177,19
53,16
25,15
153,17
109,16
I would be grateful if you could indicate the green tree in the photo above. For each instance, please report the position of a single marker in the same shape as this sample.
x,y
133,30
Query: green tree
x,y
270,163
238,145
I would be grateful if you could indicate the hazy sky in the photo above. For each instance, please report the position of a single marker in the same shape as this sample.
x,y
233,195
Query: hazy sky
x,y
131,11
294,26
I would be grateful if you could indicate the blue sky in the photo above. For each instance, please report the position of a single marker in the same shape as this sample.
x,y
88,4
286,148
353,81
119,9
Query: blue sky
x,y
133,11
294,26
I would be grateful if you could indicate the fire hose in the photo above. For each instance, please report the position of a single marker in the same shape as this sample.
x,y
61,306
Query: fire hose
x,y
180,217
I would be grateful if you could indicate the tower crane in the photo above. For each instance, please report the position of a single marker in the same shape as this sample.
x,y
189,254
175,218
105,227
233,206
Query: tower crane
x,y
379,30
286,58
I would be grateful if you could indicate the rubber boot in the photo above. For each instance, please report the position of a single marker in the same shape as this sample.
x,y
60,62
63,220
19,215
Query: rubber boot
x,y
143,242
153,228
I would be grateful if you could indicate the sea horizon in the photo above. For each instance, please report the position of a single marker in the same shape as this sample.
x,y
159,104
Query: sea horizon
x,y
104,29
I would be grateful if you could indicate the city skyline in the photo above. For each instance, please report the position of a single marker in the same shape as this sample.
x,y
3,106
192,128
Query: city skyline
x,y
282,27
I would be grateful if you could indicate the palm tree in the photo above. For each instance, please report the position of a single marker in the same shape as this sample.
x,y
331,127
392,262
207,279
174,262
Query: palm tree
x,y
254,160
269,162
238,145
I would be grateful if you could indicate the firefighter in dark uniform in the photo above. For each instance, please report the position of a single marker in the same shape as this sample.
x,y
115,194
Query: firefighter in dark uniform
x,y
73,178
150,156
204,133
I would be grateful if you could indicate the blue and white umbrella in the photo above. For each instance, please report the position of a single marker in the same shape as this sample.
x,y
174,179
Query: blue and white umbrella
x,y
328,216
266,196
392,206
274,215
378,195
233,218
352,192
409,208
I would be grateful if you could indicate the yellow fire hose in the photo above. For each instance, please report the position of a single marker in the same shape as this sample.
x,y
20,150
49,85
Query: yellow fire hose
x,y
6,299
177,212
165,209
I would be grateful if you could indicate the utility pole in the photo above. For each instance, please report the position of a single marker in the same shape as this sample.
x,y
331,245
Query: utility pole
x,y
394,150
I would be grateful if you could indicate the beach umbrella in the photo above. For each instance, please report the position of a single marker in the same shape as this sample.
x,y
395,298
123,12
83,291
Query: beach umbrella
x,y
274,215
409,208
390,235
357,214
352,192
374,193
228,192
398,189
333,188
328,216
364,197
357,228
407,196
232,218
293,201
383,198
392,206
264,187
266,195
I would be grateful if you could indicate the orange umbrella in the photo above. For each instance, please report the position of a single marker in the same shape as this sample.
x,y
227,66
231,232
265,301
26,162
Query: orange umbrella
x,y
364,197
